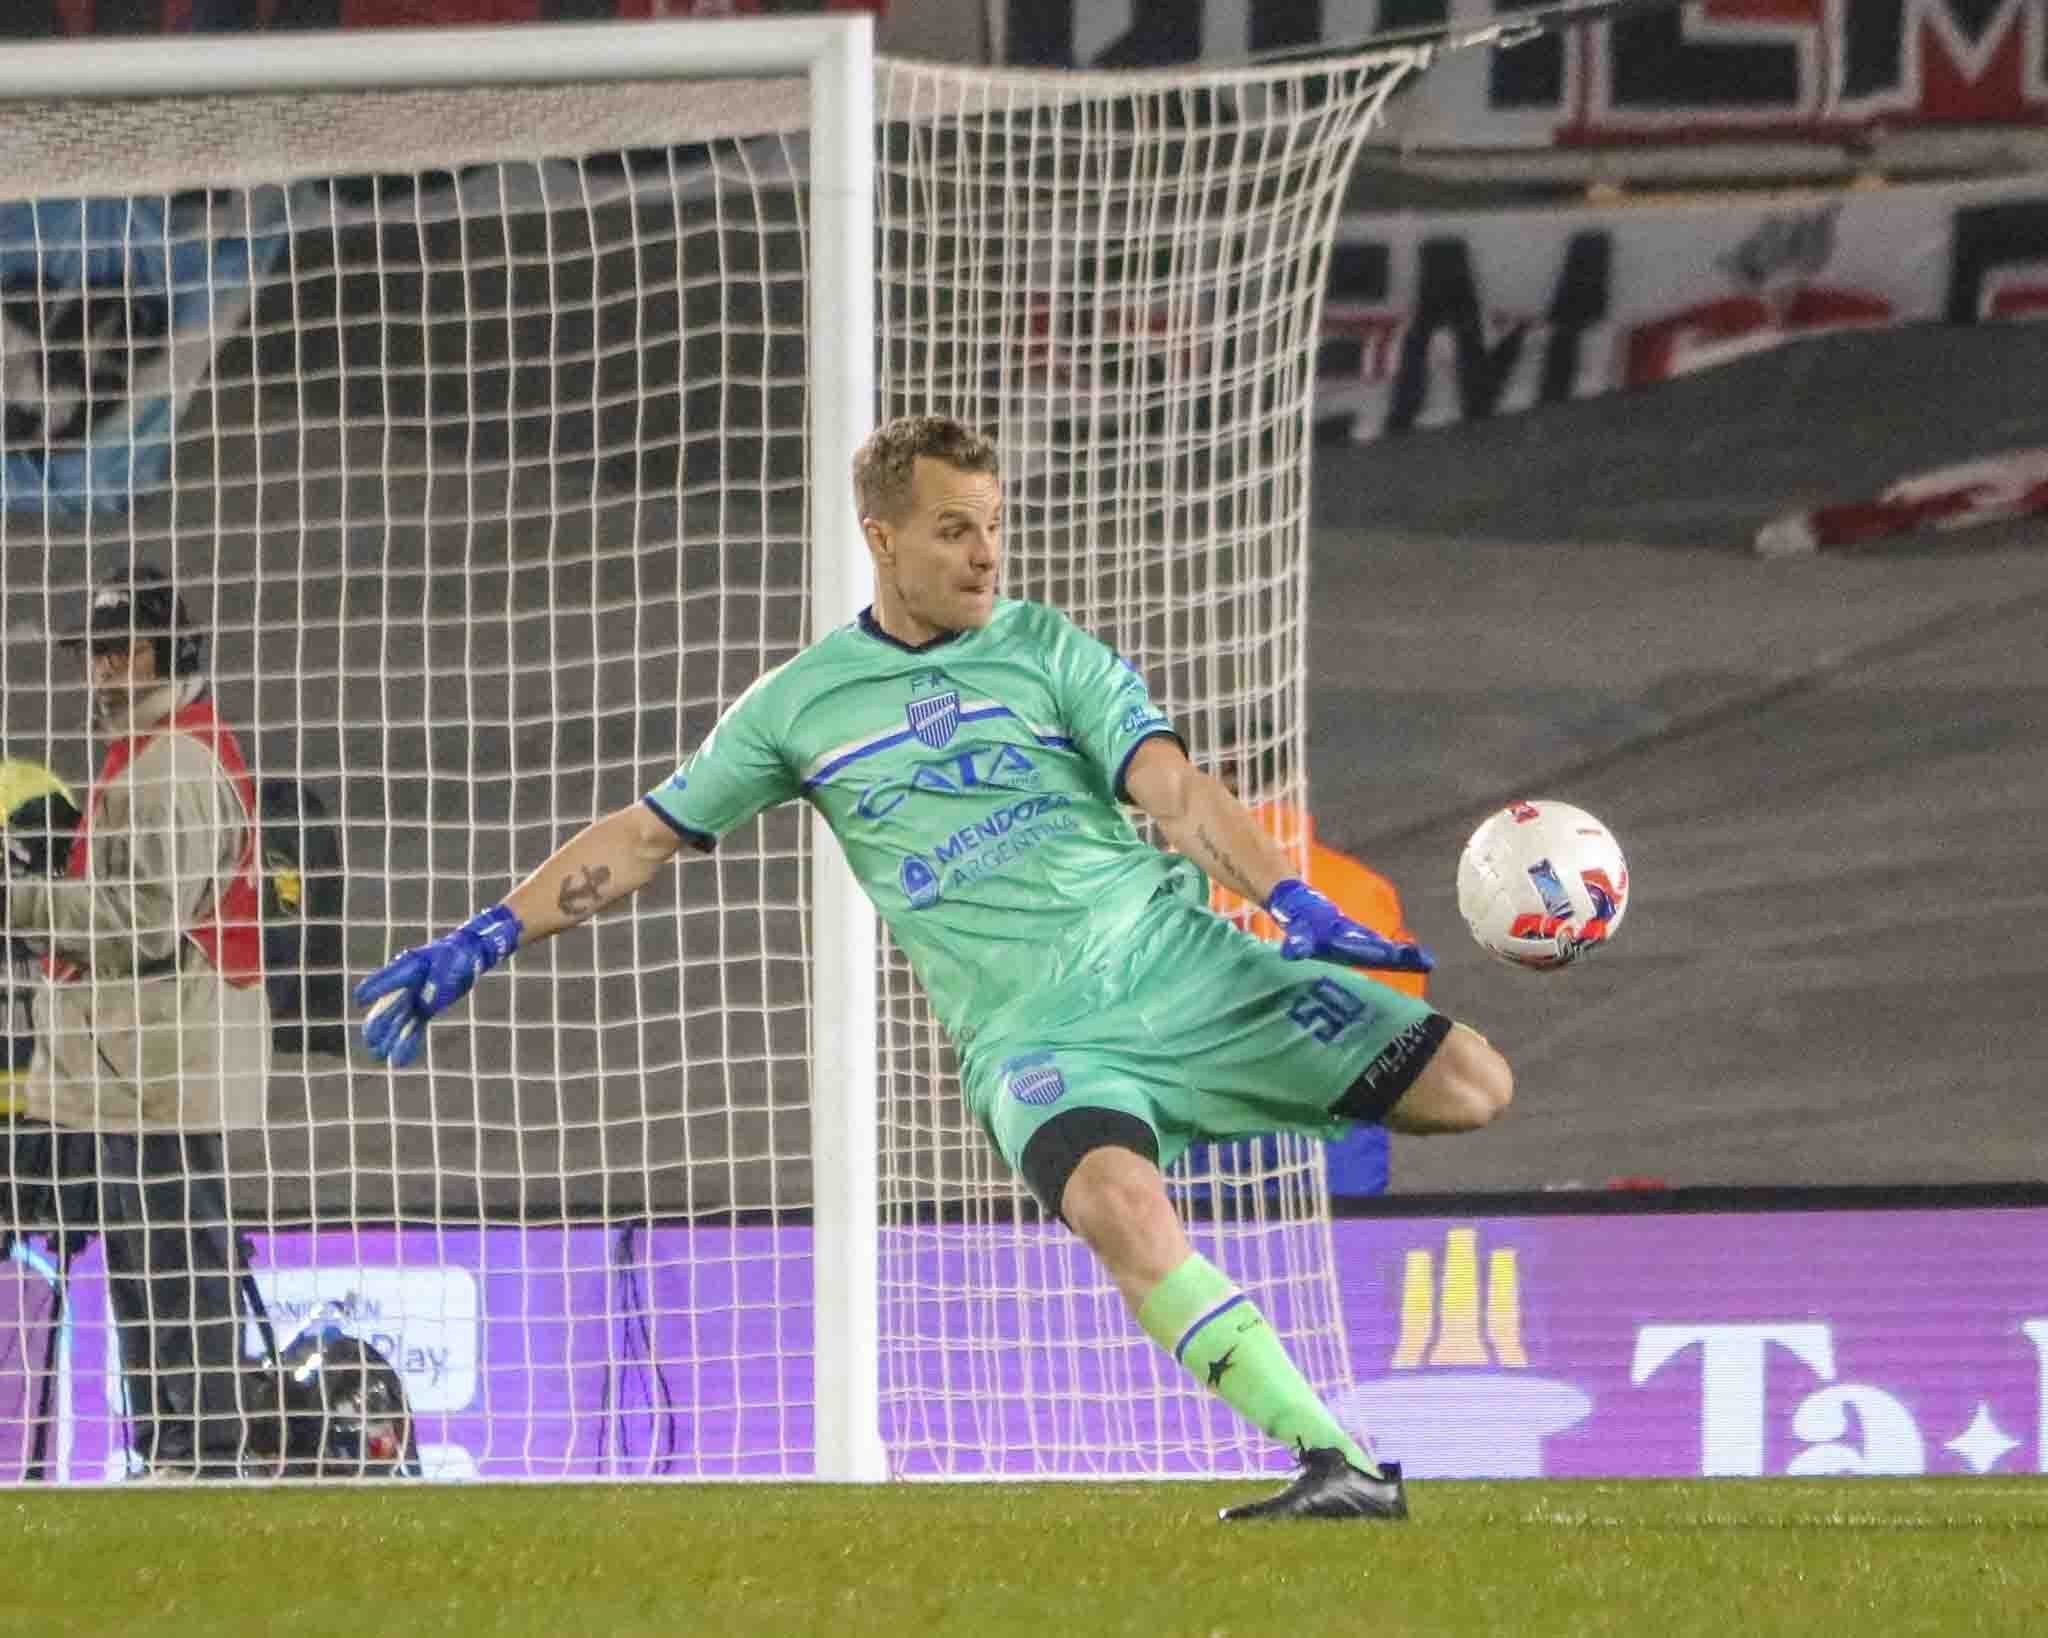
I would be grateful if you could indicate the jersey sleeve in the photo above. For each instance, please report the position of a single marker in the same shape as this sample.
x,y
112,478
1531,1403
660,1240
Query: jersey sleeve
x,y
737,771
1105,704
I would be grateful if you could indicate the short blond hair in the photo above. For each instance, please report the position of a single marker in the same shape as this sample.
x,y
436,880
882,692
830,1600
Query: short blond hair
x,y
885,462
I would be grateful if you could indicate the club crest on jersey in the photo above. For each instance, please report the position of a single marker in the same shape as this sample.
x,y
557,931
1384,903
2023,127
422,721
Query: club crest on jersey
x,y
935,718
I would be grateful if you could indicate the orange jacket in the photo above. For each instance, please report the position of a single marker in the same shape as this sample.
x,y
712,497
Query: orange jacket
x,y
1362,894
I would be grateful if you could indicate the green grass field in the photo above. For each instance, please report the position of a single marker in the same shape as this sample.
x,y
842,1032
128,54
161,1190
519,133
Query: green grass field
x,y
1871,1556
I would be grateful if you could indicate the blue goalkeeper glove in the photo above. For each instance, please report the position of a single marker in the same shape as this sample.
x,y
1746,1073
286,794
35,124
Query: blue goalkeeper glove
x,y
412,987
1316,927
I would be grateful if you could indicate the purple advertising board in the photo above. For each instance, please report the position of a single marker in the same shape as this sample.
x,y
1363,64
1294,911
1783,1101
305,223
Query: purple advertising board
x,y
1672,1345
1659,1344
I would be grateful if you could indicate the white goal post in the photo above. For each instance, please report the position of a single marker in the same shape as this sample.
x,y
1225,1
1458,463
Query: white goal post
x,y
491,394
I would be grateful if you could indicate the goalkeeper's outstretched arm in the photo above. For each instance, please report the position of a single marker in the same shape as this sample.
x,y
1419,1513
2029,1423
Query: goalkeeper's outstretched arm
x,y
1200,817
599,865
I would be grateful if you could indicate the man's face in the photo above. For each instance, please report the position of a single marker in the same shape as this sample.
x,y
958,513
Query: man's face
x,y
944,555
120,671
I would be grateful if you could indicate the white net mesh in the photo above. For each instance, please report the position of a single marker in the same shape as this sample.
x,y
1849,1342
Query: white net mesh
x,y
470,428
1122,278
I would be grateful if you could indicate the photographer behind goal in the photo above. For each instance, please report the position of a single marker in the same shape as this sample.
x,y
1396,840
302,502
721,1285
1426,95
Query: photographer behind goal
x,y
151,1035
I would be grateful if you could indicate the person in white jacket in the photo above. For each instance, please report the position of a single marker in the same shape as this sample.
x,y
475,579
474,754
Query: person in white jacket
x,y
153,1030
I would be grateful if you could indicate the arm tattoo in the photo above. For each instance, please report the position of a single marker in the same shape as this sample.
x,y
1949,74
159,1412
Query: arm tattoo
x,y
1215,861
582,894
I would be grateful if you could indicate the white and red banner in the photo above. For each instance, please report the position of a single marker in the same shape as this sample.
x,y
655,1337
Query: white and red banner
x,y
1990,489
1713,70
1740,70
1440,318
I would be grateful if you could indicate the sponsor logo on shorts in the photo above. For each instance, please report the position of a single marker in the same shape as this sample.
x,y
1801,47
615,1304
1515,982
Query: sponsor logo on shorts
x,y
1035,1079
1403,1058
920,883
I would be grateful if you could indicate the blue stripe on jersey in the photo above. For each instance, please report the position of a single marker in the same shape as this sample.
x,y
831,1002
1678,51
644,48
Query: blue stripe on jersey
x,y
854,755
887,741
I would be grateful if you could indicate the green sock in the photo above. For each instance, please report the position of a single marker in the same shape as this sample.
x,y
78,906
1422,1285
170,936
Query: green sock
x,y
1226,1344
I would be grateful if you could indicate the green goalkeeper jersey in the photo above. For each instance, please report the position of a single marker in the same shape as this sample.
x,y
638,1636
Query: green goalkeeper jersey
x,y
974,783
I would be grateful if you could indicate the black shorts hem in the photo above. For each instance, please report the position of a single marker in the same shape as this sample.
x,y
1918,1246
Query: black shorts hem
x,y
1385,1081
1062,1143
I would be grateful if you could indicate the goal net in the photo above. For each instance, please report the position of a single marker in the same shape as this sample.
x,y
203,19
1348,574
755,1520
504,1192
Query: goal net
x,y
1122,277
476,427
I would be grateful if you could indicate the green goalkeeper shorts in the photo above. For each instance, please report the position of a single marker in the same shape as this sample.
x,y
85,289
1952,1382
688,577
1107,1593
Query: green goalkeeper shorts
x,y
1200,1032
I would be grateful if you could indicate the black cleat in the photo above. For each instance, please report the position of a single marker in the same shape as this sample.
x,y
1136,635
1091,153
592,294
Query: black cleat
x,y
1331,1488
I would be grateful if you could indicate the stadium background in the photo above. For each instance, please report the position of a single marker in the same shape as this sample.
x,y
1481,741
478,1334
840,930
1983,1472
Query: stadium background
x,y
1829,772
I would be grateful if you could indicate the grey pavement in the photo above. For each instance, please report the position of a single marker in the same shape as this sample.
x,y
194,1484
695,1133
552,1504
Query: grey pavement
x,y
1828,773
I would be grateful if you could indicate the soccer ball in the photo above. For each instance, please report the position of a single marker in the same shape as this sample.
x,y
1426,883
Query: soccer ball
x,y
1541,883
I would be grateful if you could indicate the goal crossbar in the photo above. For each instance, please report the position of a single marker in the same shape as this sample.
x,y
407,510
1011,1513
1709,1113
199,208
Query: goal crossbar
x,y
443,58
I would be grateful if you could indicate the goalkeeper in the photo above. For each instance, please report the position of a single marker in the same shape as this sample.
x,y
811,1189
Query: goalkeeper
x,y
971,754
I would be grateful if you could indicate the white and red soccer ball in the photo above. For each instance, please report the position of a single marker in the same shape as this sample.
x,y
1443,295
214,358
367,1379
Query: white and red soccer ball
x,y
1542,883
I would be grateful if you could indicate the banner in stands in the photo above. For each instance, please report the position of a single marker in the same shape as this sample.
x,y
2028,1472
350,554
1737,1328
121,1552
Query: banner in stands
x,y
1777,70
1440,318
1655,1344
111,312
32,18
